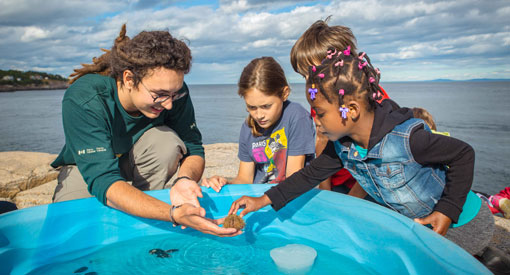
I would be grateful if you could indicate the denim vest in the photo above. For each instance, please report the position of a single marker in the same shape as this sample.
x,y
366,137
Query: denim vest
x,y
392,177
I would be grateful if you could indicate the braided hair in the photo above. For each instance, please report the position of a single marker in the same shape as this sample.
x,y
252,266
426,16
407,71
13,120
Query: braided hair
x,y
343,73
147,50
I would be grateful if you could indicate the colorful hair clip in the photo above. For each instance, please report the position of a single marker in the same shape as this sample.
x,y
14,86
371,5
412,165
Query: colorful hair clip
x,y
339,63
312,91
362,64
331,54
348,50
361,56
377,95
371,80
344,111
314,69
377,71
341,92
321,75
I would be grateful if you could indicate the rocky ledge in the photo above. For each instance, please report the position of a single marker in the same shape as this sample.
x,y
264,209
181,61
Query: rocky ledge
x,y
27,179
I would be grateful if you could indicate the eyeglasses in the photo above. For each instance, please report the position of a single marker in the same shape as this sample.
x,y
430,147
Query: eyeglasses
x,y
165,97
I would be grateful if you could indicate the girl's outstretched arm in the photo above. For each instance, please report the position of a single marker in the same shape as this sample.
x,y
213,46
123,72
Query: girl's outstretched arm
x,y
321,168
249,204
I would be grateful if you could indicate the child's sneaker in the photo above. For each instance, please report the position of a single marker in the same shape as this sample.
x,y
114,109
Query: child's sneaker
x,y
501,204
504,206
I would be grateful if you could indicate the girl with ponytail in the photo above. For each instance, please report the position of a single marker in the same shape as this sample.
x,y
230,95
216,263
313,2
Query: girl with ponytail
x,y
278,137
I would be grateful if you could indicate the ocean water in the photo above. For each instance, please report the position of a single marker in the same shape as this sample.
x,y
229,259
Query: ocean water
x,y
476,112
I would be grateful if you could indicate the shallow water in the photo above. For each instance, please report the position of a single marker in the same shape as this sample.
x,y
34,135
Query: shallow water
x,y
196,255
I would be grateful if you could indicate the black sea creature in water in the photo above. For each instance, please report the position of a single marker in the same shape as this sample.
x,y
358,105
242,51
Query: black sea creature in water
x,y
160,253
81,269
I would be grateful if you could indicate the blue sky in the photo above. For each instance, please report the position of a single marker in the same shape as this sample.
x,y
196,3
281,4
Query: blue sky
x,y
407,40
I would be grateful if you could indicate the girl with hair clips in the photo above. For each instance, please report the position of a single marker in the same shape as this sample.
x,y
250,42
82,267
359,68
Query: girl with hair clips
x,y
129,124
393,156
310,49
278,136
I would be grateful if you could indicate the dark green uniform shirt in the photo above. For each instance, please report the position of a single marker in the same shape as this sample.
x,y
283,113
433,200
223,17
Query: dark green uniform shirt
x,y
97,129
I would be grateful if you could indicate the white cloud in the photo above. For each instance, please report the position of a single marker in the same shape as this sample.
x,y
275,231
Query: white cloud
x,y
506,40
235,6
33,33
61,35
240,6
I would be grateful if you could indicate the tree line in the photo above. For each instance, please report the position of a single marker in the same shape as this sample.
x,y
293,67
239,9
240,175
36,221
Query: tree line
x,y
15,77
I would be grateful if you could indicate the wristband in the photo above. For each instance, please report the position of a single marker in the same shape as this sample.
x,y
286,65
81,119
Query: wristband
x,y
179,178
172,220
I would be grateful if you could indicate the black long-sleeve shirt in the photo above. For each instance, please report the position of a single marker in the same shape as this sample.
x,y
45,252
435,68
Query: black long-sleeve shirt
x,y
427,149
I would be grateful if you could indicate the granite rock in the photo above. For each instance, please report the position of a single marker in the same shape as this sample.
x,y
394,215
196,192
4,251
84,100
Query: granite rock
x,y
21,171
39,195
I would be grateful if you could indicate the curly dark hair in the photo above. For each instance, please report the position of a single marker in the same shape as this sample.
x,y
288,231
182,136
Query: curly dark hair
x,y
344,73
147,50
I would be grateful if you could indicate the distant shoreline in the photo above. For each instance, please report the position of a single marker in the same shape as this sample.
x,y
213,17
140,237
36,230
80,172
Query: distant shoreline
x,y
64,85
14,80
386,81
10,88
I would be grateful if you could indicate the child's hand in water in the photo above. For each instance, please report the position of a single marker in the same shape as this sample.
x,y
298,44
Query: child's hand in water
x,y
249,204
214,182
439,221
